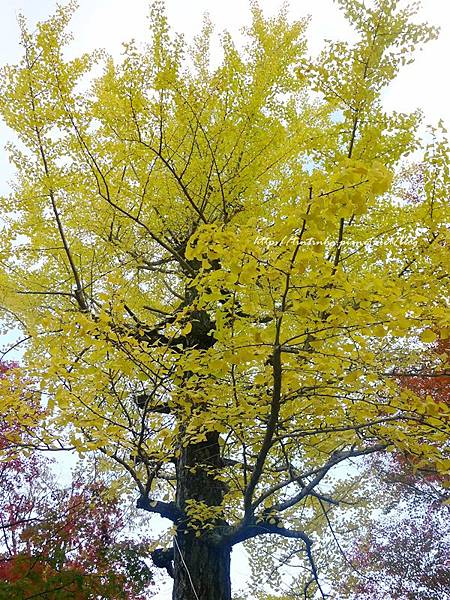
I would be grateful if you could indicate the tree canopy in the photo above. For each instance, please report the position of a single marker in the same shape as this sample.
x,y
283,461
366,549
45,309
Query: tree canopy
x,y
218,273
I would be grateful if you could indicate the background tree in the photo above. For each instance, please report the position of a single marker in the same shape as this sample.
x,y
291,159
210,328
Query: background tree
x,y
62,542
215,270
405,554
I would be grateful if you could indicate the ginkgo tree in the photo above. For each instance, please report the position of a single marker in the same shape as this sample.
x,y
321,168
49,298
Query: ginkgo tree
x,y
215,271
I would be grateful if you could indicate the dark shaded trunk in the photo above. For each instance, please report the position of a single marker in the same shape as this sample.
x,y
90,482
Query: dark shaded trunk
x,y
201,566
202,570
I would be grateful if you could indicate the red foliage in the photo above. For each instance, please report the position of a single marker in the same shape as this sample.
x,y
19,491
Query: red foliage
x,y
428,382
61,542
405,554
405,557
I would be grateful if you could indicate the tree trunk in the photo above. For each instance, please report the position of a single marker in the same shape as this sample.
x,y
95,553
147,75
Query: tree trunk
x,y
201,570
201,566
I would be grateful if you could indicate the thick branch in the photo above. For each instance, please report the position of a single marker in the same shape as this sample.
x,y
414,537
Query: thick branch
x,y
246,532
163,559
267,442
169,510
320,473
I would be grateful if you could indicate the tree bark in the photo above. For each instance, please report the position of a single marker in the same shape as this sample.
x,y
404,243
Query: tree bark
x,y
201,565
202,570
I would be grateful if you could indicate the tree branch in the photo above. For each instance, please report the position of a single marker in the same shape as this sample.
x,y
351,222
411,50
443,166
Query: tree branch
x,y
320,473
245,532
163,559
169,510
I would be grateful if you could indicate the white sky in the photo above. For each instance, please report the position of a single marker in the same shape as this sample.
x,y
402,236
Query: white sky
x,y
106,23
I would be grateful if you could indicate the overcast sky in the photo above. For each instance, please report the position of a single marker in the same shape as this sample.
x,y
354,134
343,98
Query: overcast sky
x,y
106,23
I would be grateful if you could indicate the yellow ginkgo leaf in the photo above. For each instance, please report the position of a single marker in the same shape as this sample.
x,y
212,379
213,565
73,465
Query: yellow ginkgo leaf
x,y
428,336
